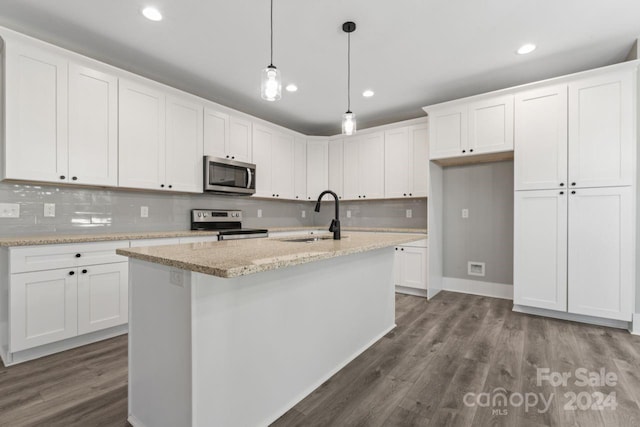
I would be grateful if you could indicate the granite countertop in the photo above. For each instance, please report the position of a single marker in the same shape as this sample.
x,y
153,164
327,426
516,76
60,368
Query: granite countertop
x,y
55,239
346,228
233,258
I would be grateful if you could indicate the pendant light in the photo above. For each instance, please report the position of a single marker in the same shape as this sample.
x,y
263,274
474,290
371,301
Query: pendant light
x,y
348,118
271,86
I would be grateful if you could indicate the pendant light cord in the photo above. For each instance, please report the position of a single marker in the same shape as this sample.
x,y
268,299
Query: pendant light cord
x,y
348,72
271,62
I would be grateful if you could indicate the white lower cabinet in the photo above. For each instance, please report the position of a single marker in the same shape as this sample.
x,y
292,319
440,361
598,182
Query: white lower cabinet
x,y
42,308
410,268
574,251
102,296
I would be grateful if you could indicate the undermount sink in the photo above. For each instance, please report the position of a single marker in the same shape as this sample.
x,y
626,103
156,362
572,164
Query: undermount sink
x,y
308,239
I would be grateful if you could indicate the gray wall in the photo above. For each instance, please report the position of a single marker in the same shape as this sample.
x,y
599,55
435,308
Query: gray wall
x,y
91,210
487,235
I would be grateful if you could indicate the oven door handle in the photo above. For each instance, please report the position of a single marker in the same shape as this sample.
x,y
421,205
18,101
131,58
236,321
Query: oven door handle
x,y
250,177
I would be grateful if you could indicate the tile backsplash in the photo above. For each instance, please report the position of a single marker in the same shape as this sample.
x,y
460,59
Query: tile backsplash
x,y
90,210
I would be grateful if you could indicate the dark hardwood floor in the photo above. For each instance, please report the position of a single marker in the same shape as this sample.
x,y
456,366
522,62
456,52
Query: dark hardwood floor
x,y
446,351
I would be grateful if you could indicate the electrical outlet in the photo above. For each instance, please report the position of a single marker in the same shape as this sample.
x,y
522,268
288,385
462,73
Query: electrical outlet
x,y
176,277
409,213
144,211
348,214
475,268
304,214
465,213
9,210
49,210
259,213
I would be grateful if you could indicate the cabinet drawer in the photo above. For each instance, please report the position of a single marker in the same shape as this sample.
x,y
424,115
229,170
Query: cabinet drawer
x,y
48,257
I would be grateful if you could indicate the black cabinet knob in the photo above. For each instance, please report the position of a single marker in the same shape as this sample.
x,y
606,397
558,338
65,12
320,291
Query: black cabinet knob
x,y
84,271
562,192
396,249
78,255
170,186
364,197
471,150
339,197
75,178
464,151
308,198
227,157
402,249
410,194
573,192
296,197
62,177
562,184
71,273
161,185
573,184
233,157
404,194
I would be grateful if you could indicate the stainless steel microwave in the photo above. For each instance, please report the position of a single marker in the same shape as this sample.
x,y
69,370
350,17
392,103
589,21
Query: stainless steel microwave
x,y
226,176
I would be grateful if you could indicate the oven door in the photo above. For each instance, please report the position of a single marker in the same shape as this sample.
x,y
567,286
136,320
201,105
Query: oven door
x,y
224,176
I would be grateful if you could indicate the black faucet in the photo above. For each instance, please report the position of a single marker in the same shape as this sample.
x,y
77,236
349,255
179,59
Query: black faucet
x,y
335,223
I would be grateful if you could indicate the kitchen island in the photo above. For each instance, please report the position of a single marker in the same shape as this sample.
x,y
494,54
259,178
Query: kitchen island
x,y
235,333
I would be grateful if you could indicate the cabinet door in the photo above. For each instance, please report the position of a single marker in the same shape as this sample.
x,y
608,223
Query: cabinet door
x,y
336,167
42,308
317,169
413,267
216,133
602,252
540,160
282,166
93,126
602,130
351,173
36,115
262,146
397,163
142,136
540,249
300,169
240,139
491,125
448,132
371,166
102,296
183,159
418,160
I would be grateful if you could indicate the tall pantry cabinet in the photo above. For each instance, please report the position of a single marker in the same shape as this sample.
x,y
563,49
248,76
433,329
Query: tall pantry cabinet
x,y
575,203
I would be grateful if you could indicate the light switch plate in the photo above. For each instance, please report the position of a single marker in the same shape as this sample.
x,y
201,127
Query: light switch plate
x,y
49,210
144,211
409,213
348,214
259,213
304,214
9,210
465,213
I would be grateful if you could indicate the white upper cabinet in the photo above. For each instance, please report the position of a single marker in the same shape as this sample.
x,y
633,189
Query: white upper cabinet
x,y
226,136
36,114
364,167
540,160
183,152
300,169
602,130
336,167
273,155
317,168
472,128
406,162
142,136
61,119
160,139
602,252
93,126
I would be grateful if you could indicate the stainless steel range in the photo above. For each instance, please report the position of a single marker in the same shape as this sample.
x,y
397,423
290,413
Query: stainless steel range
x,y
227,222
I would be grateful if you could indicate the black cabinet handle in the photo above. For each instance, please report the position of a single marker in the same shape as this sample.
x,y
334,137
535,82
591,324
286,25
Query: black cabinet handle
x,y
62,177
78,255
75,178
464,151
84,271
573,184
562,184
71,273
573,192
562,192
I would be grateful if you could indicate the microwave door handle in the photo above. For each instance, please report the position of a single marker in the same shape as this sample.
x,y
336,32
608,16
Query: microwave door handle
x,y
250,177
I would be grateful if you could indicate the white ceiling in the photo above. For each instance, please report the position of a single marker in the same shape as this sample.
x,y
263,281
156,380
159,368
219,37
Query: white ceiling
x,y
412,53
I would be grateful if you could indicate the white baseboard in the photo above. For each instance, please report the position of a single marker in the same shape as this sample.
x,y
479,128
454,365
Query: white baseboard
x,y
635,324
411,291
573,317
476,287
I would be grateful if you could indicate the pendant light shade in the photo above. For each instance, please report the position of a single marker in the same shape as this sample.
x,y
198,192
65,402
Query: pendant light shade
x,y
348,118
271,85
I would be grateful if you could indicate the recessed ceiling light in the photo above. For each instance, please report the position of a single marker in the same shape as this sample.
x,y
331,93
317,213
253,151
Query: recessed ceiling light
x,y
152,14
526,48
368,93
291,87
